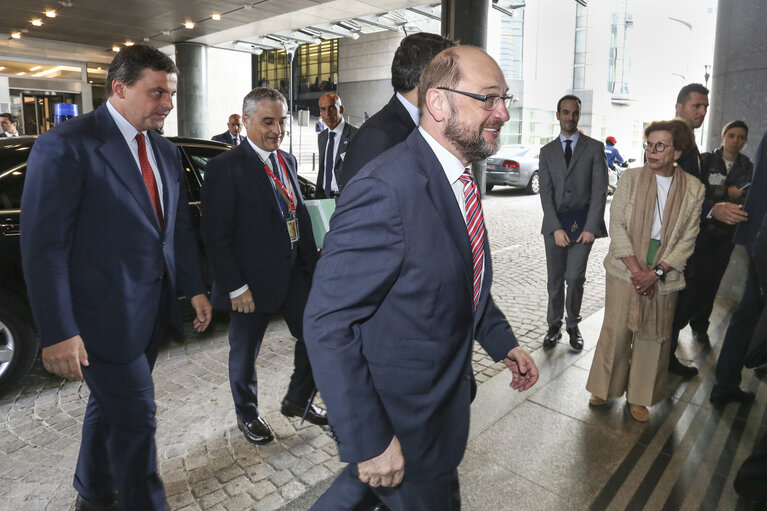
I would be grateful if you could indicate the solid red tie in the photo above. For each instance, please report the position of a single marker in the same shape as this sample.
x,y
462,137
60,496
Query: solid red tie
x,y
475,225
148,175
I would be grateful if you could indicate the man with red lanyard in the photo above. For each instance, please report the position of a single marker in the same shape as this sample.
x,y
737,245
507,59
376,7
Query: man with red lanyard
x,y
259,241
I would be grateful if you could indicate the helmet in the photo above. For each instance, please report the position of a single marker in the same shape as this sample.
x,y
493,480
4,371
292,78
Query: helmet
x,y
610,140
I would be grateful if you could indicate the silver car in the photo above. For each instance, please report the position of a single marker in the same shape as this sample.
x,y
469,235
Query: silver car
x,y
514,165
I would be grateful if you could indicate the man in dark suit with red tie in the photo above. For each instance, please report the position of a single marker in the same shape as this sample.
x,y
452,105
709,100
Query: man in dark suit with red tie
x,y
258,237
332,143
232,135
401,292
106,241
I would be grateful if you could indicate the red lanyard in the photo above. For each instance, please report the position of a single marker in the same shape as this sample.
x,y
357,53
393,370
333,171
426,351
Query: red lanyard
x,y
285,192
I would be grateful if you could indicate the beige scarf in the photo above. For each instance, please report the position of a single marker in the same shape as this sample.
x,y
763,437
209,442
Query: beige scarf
x,y
653,317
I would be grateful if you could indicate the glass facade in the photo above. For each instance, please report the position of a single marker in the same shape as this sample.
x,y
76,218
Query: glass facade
x,y
619,64
512,35
579,61
315,69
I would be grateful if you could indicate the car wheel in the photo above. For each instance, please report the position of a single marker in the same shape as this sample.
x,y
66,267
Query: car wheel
x,y
534,186
18,342
489,188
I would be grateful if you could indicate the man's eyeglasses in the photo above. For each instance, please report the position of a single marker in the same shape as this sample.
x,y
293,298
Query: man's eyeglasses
x,y
489,101
658,146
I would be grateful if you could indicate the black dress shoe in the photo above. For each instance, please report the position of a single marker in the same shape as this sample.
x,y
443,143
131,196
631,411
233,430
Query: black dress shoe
x,y
576,340
256,432
86,505
676,367
701,336
722,396
315,414
552,336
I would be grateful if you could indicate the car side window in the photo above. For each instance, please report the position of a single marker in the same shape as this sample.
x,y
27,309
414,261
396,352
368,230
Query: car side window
x,y
196,157
11,186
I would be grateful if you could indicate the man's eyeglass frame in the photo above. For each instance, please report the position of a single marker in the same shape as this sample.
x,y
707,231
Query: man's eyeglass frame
x,y
489,101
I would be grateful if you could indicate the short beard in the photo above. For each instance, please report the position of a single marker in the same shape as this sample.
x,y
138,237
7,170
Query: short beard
x,y
473,148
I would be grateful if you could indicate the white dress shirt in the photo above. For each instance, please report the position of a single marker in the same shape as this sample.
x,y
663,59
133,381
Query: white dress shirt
x,y
129,134
453,169
338,130
411,109
574,140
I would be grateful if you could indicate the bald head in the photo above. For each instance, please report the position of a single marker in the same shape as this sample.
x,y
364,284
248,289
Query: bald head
x,y
331,110
234,124
467,125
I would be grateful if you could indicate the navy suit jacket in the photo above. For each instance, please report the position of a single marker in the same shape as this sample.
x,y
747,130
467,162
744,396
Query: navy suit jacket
x,y
93,252
322,141
387,128
245,234
227,138
390,324
756,202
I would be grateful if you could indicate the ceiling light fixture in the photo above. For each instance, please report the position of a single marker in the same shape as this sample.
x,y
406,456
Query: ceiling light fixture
x,y
35,68
115,49
50,13
16,35
129,43
37,22
21,73
66,3
189,25
2,67
215,16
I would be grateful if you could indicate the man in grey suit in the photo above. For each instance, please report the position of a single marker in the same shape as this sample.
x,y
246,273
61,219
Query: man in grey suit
x,y
573,179
332,143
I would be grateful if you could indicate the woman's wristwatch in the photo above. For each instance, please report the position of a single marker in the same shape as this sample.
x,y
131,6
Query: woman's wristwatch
x,y
660,272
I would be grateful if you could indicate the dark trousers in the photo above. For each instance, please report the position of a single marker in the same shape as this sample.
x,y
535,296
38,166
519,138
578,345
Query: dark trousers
x,y
739,333
117,450
703,274
565,265
246,331
749,482
347,491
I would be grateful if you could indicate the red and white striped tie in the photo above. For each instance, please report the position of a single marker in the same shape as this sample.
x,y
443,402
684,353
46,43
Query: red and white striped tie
x,y
475,224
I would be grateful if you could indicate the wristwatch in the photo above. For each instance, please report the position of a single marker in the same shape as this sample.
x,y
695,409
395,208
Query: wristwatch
x,y
660,272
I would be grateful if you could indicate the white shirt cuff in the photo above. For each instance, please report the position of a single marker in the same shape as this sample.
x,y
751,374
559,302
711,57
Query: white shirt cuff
x,y
238,292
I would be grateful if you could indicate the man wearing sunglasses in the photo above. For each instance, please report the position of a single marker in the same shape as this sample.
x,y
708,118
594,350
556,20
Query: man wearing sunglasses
x,y
573,179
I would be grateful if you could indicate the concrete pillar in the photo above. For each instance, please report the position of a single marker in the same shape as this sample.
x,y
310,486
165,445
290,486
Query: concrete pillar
x,y
465,21
192,95
737,92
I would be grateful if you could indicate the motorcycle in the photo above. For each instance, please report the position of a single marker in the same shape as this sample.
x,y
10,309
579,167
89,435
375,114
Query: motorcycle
x,y
614,173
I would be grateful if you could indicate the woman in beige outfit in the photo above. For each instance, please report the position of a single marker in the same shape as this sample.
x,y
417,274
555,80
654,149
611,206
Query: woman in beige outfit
x,y
654,219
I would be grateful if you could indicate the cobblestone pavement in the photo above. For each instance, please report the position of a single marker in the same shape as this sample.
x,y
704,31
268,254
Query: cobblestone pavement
x,y
204,460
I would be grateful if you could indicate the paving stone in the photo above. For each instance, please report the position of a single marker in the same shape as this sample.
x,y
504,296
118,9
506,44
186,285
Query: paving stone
x,y
314,475
281,477
262,488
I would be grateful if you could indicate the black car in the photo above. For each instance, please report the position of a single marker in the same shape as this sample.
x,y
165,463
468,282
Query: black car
x,y
18,337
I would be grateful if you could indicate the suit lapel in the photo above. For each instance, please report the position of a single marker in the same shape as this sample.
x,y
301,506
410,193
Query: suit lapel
x,y
119,158
441,195
342,146
255,167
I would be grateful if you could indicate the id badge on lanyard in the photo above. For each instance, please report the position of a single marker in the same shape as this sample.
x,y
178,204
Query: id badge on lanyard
x,y
292,223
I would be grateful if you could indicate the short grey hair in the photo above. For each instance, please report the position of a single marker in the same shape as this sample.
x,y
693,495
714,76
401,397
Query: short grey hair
x,y
259,94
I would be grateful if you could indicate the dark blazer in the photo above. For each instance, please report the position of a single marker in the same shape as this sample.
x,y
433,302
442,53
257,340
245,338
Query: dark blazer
x,y
756,202
227,138
322,141
390,322
385,129
582,184
244,231
92,249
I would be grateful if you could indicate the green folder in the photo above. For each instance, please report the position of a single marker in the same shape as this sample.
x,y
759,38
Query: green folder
x,y
320,211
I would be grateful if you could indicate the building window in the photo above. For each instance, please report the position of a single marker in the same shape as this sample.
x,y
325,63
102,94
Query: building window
x,y
579,61
512,32
619,63
315,67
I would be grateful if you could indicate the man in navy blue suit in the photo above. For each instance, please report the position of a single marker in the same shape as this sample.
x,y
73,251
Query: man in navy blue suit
x,y
401,292
107,239
232,135
258,236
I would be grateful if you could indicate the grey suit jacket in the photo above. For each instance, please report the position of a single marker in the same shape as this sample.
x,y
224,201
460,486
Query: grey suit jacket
x,y
582,184
322,142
